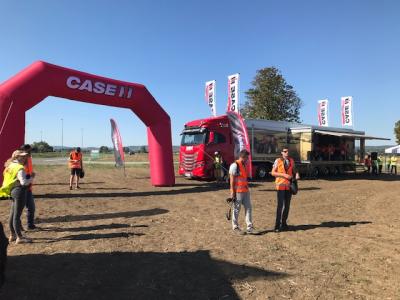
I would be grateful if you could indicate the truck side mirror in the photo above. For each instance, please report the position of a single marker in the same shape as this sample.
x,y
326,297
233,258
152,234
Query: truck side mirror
x,y
211,137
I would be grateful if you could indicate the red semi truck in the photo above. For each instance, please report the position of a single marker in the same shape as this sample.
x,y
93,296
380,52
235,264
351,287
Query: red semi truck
x,y
317,150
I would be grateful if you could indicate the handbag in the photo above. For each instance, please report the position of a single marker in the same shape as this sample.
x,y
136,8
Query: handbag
x,y
294,187
82,174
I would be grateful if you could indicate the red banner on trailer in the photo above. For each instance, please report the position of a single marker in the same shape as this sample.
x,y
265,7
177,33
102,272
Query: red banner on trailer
x,y
240,137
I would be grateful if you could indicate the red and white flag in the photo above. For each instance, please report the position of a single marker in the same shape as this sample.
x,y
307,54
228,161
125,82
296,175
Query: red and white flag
x,y
323,112
210,96
233,93
117,142
240,137
347,111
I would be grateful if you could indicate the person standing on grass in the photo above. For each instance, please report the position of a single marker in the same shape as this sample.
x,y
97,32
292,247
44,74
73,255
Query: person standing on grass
x,y
218,167
393,164
30,201
380,163
76,165
283,170
15,184
240,193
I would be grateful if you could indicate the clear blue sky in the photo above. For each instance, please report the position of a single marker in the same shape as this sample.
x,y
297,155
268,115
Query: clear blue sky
x,y
325,49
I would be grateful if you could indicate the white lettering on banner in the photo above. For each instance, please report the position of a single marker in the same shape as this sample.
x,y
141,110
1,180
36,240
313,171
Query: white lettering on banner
x,y
99,87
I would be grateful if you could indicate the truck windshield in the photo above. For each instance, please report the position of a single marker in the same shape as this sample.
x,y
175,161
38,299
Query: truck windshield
x,y
195,138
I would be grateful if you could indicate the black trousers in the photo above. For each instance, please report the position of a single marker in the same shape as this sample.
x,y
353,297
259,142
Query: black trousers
x,y
282,210
393,167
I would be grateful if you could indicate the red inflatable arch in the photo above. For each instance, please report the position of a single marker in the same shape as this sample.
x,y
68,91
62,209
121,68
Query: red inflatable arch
x,y
41,79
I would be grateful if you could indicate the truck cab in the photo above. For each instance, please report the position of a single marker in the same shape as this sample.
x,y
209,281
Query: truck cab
x,y
200,140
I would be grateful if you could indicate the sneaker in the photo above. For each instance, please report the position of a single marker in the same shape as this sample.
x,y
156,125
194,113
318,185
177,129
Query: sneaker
x,y
12,238
32,227
70,187
23,240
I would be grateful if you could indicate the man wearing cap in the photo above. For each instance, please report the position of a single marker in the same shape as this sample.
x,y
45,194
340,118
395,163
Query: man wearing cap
x,y
240,193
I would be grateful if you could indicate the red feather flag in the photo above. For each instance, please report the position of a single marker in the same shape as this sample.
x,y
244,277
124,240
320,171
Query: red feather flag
x,y
117,142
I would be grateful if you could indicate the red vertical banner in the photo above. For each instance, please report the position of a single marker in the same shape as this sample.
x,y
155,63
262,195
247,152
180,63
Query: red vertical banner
x,y
240,137
117,142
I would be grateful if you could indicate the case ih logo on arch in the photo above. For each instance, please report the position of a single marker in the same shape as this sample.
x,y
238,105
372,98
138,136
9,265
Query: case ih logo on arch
x,y
99,87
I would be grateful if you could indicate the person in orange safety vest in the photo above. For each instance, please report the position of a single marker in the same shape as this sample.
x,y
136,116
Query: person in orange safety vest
x,y
76,166
283,170
30,200
240,193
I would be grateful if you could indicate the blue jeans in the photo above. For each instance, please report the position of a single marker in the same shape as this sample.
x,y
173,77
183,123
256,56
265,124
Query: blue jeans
x,y
30,205
18,202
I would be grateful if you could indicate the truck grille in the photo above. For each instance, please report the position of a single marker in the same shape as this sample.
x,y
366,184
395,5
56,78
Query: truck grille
x,y
188,161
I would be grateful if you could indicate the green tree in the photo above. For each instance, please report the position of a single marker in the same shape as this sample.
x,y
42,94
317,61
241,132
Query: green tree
x,y
271,98
397,131
41,147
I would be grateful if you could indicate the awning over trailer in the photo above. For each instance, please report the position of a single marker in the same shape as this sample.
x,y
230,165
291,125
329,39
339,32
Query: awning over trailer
x,y
354,135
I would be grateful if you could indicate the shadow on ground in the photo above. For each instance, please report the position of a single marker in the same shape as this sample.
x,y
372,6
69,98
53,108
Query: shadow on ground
x,y
127,195
91,228
360,176
330,224
311,188
124,214
67,183
196,188
143,275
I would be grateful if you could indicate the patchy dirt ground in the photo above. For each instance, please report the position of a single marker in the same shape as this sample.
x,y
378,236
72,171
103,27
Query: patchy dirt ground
x,y
121,238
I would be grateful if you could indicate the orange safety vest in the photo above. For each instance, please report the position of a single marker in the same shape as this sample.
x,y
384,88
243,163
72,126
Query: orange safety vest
x,y
241,184
282,184
75,156
29,169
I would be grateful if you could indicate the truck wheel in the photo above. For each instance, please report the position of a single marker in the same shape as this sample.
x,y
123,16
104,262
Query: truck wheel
x,y
326,171
337,171
261,172
315,172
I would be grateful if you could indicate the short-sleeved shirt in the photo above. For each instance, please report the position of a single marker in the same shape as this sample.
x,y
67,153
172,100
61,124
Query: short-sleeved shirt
x,y
287,163
233,169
